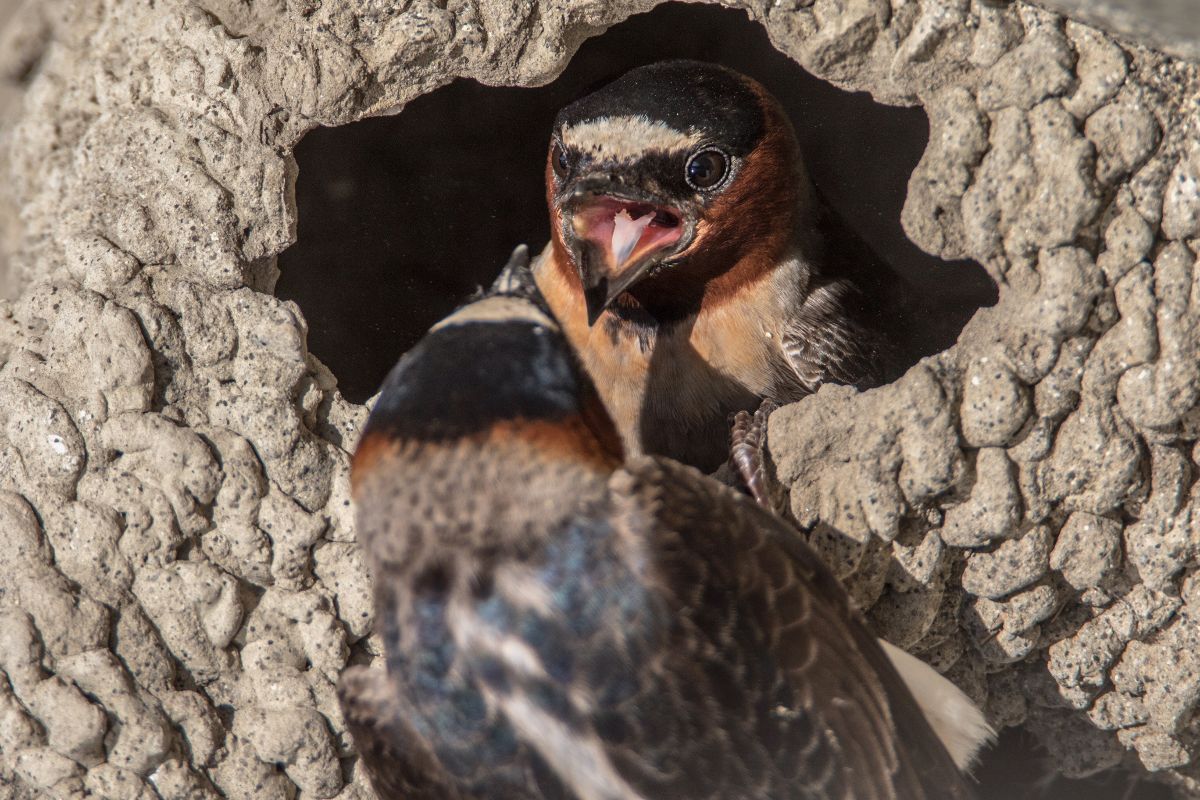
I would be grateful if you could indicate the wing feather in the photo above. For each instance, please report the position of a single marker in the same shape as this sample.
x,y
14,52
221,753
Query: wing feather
x,y
674,642
824,342
844,724
400,762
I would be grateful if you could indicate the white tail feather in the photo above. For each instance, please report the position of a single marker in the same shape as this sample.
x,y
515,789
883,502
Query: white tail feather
x,y
954,718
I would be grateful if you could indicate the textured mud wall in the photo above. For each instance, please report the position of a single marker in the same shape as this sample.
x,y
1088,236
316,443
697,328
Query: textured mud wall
x,y
1025,504
10,97
1172,26
179,583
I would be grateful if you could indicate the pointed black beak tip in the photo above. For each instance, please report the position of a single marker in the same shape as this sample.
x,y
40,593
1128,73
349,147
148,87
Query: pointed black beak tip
x,y
595,298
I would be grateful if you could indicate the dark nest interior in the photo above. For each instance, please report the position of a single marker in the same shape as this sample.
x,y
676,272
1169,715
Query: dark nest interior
x,y
401,218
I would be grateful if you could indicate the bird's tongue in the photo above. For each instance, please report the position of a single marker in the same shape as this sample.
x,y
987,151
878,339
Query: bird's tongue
x,y
625,231
626,234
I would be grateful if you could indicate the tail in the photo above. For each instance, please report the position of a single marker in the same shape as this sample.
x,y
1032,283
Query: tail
x,y
954,718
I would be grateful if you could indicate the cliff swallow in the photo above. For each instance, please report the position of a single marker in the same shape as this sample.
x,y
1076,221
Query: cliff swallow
x,y
695,268
560,621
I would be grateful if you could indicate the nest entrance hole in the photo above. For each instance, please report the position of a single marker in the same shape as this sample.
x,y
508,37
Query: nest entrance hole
x,y
402,217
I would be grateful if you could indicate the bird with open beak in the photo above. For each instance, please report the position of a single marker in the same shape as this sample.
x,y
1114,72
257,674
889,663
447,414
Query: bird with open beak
x,y
561,621
694,267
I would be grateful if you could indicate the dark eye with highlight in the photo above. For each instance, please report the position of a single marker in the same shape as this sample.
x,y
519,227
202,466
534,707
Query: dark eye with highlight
x,y
559,160
706,169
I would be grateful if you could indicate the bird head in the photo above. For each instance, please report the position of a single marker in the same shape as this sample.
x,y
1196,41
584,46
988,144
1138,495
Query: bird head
x,y
665,179
498,370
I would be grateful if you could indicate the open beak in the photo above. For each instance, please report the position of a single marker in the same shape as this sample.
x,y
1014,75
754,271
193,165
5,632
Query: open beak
x,y
616,239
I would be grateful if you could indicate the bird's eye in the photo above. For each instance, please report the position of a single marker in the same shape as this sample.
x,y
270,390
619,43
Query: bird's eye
x,y
706,169
559,161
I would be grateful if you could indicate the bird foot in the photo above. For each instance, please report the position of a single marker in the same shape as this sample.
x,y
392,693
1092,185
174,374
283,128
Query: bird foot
x,y
747,454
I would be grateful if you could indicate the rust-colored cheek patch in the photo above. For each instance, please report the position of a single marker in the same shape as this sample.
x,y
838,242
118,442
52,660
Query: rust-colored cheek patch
x,y
586,438
568,439
561,259
757,210
372,448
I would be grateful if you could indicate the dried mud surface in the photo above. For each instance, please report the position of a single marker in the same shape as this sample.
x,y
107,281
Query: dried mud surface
x,y
179,580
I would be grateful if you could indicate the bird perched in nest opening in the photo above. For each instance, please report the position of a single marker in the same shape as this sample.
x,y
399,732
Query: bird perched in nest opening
x,y
695,268
559,621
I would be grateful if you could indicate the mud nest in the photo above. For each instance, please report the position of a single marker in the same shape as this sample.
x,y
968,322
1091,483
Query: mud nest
x,y
179,581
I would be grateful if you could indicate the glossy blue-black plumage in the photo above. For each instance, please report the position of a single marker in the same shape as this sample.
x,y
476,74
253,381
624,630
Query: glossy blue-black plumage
x,y
686,95
561,627
459,381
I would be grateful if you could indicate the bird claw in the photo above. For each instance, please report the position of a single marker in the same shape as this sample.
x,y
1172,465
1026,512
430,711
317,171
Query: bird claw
x,y
748,439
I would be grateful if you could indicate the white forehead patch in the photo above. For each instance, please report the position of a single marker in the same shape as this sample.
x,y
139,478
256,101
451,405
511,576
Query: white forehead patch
x,y
498,309
626,137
